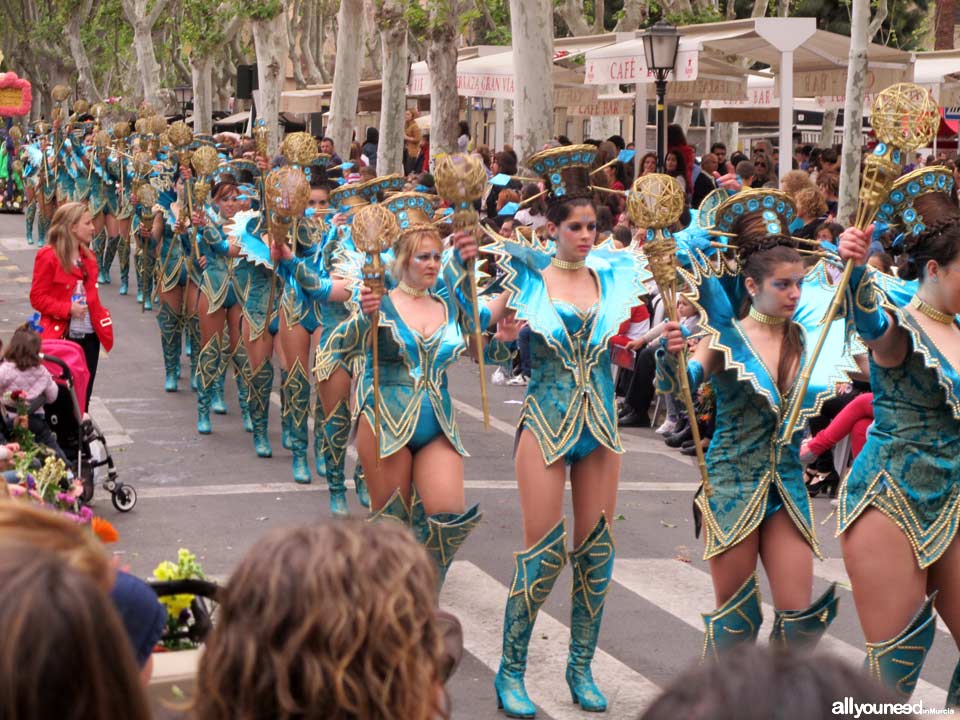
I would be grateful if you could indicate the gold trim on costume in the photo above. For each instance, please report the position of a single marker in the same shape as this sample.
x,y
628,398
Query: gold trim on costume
x,y
765,319
567,265
931,312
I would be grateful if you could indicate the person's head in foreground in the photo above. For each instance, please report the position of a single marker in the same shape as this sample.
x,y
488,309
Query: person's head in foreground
x,y
760,683
334,622
63,651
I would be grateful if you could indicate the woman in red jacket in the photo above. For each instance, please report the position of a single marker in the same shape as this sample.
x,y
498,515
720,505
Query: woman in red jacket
x,y
64,288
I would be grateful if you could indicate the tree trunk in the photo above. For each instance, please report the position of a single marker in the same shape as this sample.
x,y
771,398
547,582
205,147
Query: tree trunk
x,y
574,17
682,117
346,75
828,128
444,101
201,70
599,8
533,62
634,14
862,29
308,31
270,40
88,88
294,33
944,20
728,134
393,41
142,23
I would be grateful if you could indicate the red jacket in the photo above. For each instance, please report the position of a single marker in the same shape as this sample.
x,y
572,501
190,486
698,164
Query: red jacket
x,y
52,289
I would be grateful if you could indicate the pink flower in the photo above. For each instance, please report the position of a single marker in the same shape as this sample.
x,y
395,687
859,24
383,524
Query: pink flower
x,y
86,514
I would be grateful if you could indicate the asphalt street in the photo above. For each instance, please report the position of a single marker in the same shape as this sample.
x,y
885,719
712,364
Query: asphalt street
x,y
211,494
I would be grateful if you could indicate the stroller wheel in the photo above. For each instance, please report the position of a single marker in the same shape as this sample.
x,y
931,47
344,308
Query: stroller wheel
x,y
124,498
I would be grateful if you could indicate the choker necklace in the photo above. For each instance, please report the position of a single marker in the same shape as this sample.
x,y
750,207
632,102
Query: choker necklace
x,y
412,291
931,312
566,264
765,319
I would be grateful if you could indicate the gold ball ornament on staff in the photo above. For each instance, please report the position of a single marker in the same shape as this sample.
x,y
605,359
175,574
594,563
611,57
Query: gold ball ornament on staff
x,y
287,194
204,161
98,110
299,148
374,228
60,93
261,136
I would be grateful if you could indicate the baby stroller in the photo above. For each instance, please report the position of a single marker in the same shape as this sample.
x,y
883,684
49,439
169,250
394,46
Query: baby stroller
x,y
81,440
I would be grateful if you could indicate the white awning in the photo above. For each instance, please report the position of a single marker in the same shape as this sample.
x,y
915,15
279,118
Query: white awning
x,y
940,71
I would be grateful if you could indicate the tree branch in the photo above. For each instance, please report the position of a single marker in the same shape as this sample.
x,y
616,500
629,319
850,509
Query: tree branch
x,y
877,21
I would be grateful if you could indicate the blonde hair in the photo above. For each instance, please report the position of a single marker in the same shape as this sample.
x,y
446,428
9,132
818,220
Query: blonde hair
x,y
334,622
810,203
60,236
795,181
408,243
39,527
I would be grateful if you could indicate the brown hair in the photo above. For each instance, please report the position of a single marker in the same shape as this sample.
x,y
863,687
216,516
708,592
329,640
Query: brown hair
x,y
507,196
333,622
810,203
795,181
829,183
24,348
63,651
759,253
39,527
61,238
940,241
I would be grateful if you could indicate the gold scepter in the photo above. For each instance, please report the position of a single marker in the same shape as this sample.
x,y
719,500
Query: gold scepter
x,y
460,180
300,150
147,195
286,196
904,117
180,137
374,229
656,202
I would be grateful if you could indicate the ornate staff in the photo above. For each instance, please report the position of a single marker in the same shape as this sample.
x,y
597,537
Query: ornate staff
x,y
300,150
60,93
147,195
180,137
905,117
374,228
287,194
204,161
460,180
655,202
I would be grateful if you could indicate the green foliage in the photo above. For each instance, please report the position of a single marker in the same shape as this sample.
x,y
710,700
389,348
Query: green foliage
x,y
904,28
259,9
202,25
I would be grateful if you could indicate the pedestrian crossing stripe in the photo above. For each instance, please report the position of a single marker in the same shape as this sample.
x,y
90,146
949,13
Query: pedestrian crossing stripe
x,y
674,587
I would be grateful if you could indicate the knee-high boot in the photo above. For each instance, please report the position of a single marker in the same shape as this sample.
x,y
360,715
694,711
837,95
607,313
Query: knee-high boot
x,y
735,622
241,373
537,569
109,252
319,441
296,408
442,534
208,366
897,662
138,270
148,267
192,324
30,214
123,252
394,509
170,340
360,483
592,572
217,403
336,430
953,693
99,247
804,628
43,224
285,437
261,382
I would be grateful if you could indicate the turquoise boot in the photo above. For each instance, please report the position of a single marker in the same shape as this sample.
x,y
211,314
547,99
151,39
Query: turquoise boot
x,y
138,267
208,365
537,570
804,628
109,253
897,662
360,483
953,694
296,408
192,327
319,441
170,342
592,564
442,534
394,509
30,214
241,373
735,622
43,224
123,253
98,246
286,439
148,278
261,383
336,430
217,403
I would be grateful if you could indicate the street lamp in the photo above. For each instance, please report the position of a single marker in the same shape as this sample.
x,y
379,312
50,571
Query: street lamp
x,y
660,43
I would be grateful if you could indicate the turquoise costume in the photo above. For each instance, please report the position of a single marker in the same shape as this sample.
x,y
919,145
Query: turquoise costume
x,y
909,466
171,272
754,470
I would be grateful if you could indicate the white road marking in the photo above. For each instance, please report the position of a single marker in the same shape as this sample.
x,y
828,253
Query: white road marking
x,y
685,591
111,427
478,600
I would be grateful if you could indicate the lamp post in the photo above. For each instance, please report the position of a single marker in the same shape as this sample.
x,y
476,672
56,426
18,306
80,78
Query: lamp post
x,y
660,44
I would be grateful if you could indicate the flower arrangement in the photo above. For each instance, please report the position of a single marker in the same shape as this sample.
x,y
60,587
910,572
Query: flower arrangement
x,y
179,607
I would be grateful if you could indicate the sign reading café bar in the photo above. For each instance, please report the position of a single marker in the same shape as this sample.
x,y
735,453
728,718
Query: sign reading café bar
x,y
632,68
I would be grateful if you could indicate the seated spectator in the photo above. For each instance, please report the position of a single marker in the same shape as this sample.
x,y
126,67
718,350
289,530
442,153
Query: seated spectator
x,y
853,420
332,621
755,682
62,650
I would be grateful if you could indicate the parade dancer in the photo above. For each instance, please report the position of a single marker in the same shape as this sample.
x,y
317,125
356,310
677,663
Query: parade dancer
x,y
573,297
760,318
899,508
117,212
414,456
